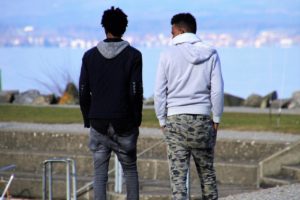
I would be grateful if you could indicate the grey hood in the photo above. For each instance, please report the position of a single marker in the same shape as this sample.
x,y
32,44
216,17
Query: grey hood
x,y
193,49
111,49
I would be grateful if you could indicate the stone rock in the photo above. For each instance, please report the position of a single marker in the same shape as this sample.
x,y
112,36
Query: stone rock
x,y
295,103
8,96
253,100
231,100
267,100
70,96
44,100
149,101
27,97
283,103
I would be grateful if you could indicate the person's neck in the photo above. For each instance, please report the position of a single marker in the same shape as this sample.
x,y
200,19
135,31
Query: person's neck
x,y
111,36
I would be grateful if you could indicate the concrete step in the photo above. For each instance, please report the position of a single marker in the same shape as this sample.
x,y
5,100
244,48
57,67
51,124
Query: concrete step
x,y
77,143
152,169
237,173
246,150
160,190
277,180
292,171
227,172
289,174
27,185
227,150
268,182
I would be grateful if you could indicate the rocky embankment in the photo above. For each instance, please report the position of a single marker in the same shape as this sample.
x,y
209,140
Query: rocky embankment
x,y
256,101
70,97
34,97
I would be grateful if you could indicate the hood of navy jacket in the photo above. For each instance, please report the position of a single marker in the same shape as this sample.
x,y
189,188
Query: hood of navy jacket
x,y
111,49
193,49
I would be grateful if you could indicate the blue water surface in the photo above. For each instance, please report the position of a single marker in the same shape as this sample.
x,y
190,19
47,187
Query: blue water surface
x,y
245,70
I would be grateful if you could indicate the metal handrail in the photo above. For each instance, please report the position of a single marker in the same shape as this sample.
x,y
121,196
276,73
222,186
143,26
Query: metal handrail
x,y
6,187
47,169
6,168
89,186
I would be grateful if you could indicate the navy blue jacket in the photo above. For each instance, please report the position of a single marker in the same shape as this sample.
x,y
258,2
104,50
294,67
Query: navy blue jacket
x,y
110,90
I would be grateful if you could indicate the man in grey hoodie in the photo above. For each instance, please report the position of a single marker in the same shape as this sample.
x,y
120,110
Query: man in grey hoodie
x,y
111,99
188,89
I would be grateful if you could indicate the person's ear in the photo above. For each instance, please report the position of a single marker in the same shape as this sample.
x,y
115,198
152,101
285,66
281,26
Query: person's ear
x,y
182,30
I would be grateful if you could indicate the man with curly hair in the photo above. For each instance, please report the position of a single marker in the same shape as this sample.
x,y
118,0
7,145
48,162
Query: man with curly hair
x,y
111,98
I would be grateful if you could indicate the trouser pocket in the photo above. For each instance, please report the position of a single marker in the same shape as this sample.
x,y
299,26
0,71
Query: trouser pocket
x,y
128,141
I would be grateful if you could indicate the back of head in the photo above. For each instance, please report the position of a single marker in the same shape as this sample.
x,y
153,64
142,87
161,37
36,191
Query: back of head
x,y
114,21
185,21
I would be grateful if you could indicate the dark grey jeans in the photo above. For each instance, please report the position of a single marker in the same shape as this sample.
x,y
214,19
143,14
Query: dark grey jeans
x,y
124,146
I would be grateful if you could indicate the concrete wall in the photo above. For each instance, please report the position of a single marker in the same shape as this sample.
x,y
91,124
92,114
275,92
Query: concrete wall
x,y
236,161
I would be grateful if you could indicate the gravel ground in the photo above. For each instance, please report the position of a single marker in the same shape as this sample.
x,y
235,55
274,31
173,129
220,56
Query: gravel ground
x,y
289,192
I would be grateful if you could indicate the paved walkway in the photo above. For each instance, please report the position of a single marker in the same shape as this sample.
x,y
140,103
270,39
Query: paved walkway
x,y
149,132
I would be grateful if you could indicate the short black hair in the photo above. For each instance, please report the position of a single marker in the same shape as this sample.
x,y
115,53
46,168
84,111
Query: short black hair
x,y
186,21
114,21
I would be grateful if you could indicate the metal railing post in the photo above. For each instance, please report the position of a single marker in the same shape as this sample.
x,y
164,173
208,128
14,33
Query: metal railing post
x,y
74,179
44,180
68,194
6,187
49,164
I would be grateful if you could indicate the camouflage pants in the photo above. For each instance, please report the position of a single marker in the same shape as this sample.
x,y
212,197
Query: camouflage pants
x,y
188,135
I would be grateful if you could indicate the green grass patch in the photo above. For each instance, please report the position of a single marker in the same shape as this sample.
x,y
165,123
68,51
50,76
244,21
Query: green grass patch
x,y
233,121
261,122
39,114
245,122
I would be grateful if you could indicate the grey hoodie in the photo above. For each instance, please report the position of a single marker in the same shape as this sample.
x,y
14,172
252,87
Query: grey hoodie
x,y
111,49
189,80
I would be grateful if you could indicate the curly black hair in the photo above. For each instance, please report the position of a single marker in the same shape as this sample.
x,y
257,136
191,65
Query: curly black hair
x,y
114,21
186,21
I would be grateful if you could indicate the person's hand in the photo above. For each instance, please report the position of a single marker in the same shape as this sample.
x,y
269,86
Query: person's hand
x,y
215,127
162,128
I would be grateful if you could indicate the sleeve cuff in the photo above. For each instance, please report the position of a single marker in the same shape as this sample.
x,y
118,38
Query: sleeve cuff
x,y
86,123
162,122
216,119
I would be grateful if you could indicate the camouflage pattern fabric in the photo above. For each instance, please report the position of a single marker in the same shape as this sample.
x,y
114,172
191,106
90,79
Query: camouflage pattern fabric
x,y
188,135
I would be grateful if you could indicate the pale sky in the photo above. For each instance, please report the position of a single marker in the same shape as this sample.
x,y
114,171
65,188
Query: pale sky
x,y
152,14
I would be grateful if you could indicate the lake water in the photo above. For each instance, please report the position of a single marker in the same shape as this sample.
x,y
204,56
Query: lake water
x,y
245,70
